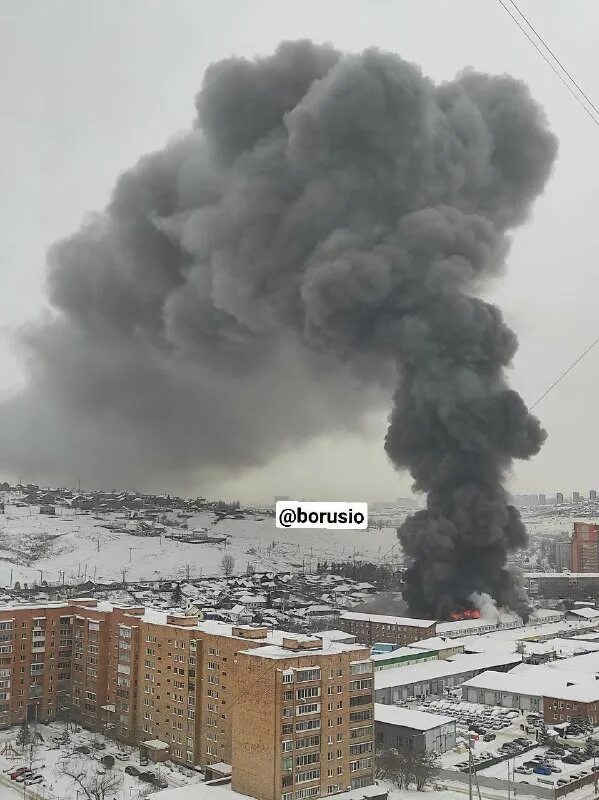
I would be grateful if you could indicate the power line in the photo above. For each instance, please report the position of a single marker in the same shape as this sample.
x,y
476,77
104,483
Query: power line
x,y
549,62
564,373
555,58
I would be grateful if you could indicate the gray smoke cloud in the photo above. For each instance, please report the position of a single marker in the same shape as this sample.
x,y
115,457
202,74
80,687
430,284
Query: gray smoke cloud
x,y
320,236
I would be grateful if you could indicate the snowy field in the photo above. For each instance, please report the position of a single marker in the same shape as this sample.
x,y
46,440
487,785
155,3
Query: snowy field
x,y
36,547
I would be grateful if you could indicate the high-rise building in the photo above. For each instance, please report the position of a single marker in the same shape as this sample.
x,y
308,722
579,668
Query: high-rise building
x,y
593,494
576,497
542,499
562,555
584,547
289,713
559,498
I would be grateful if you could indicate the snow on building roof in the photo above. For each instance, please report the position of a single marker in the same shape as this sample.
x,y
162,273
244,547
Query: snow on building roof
x,y
408,718
585,613
335,635
587,664
400,652
383,619
209,791
538,681
465,625
437,643
275,651
429,670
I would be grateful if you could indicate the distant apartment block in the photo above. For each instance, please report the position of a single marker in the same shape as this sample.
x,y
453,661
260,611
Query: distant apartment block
x,y
292,715
371,628
584,547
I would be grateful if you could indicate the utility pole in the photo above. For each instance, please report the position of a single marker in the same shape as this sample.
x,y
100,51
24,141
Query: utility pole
x,y
187,571
130,549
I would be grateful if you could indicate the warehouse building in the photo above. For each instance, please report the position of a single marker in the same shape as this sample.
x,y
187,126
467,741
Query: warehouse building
x,y
414,730
435,678
559,695
403,657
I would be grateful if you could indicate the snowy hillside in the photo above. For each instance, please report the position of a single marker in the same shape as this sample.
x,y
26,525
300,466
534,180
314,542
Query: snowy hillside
x,y
36,547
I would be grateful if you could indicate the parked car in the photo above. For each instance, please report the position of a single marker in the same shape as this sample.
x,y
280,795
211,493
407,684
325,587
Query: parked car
x,y
83,750
542,769
523,770
19,771
99,746
562,782
33,781
489,737
131,770
24,775
148,777
143,761
123,756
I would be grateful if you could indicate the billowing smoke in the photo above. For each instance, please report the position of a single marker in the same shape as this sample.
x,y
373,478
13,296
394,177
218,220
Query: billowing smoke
x,y
320,235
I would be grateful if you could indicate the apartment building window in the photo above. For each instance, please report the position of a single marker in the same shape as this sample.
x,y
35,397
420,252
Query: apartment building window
x,y
151,639
360,667
287,745
311,691
358,749
150,651
287,796
364,683
310,775
213,679
362,763
308,708
335,787
288,677
7,626
213,651
360,733
339,737
307,741
287,712
313,791
212,665
286,763
330,707
288,695
287,729
360,700
308,758
312,674
359,716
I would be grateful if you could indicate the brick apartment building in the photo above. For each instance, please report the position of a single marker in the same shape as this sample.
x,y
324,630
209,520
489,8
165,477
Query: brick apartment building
x,y
371,628
292,714
584,547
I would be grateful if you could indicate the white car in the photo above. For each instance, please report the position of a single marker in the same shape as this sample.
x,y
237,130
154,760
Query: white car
x,y
123,756
32,781
523,770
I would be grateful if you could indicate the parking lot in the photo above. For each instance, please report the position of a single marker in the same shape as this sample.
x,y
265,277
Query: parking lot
x,y
41,771
503,739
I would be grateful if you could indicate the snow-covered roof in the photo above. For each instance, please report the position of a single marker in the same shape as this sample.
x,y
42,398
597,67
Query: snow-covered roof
x,y
408,718
383,619
436,643
429,670
275,651
539,681
335,635
585,613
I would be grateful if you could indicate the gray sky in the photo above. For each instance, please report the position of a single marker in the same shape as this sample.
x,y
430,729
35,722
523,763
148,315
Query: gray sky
x,y
88,87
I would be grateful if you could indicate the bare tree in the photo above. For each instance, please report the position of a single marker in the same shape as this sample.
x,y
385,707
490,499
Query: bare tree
x,y
404,767
94,785
227,564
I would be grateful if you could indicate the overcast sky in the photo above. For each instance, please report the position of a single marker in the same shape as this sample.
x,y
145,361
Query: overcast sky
x,y
88,87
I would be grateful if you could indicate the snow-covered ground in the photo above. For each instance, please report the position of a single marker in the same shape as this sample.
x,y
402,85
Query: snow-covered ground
x,y
36,547
47,760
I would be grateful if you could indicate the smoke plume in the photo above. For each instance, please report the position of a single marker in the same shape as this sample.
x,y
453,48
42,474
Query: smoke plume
x,y
319,236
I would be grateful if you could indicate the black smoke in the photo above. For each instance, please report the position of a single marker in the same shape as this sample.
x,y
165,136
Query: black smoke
x,y
320,235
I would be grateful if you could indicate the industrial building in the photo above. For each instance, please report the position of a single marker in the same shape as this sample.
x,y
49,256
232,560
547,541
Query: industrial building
x,y
420,680
403,657
371,628
414,730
